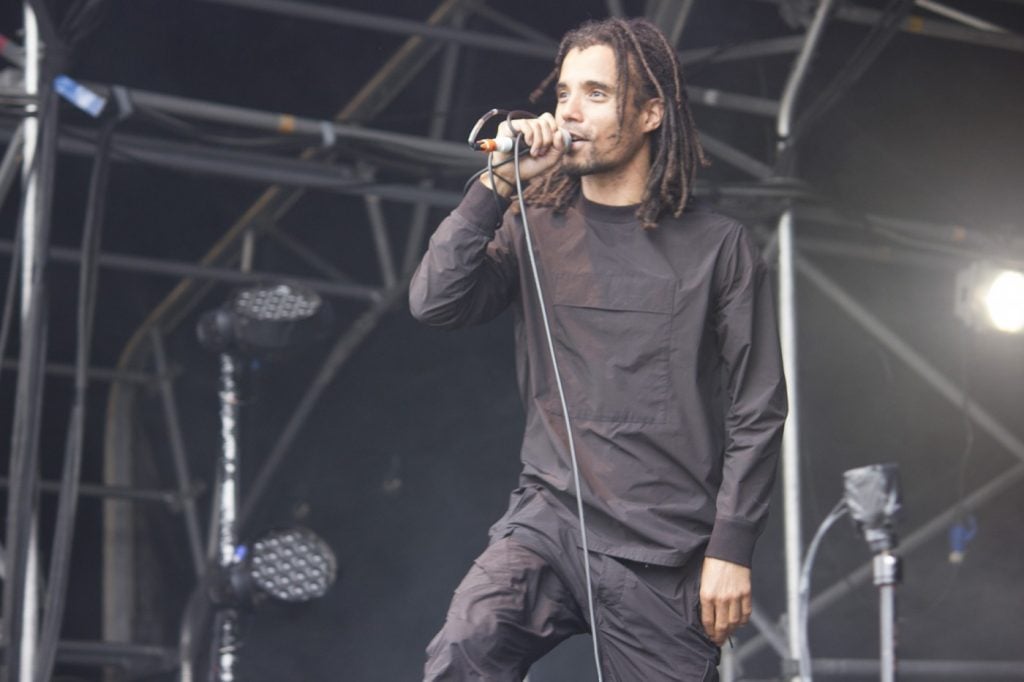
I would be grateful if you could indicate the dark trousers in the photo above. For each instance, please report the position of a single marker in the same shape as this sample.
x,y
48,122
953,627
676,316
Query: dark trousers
x,y
526,593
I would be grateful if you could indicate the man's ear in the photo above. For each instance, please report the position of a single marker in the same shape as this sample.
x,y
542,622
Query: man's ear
x,y
652,114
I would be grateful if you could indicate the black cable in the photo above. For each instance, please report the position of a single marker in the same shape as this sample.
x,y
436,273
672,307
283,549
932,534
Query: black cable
x,y
68,498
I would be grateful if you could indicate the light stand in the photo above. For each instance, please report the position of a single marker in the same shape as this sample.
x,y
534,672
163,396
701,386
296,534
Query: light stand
x,y
225,633
289,565
873,498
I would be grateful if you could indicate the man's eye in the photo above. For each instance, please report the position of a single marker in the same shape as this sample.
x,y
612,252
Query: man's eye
x,y
597,94
562,95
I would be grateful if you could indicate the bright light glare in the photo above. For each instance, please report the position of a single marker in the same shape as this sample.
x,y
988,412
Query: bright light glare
x,y
1005,302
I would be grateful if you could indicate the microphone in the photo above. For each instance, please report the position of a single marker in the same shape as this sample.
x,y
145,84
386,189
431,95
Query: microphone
x,y
505,144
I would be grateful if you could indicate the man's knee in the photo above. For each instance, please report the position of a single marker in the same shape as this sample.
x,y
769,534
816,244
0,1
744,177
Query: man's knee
x,y
465,650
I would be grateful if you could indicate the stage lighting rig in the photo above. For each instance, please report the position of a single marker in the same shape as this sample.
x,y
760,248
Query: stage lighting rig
x,y
991,297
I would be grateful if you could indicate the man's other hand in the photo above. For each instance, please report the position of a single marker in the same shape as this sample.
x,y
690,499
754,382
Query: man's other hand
x,y
725,601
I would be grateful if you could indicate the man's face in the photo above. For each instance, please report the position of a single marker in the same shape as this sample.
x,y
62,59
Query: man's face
x,y
589,93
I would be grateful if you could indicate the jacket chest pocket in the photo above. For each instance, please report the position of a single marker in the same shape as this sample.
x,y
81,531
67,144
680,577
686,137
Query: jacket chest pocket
x,y
612,336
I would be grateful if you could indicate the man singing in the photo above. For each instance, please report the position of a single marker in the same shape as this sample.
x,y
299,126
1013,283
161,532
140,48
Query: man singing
x,y
666,344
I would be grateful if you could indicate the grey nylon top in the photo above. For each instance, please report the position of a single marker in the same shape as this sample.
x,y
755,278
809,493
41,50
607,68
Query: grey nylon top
x,y
668,349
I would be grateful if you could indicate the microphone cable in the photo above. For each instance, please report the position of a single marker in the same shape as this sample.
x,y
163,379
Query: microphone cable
x,y
561,397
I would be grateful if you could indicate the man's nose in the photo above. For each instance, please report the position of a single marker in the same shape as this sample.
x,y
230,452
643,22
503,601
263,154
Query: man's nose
x,y
569,109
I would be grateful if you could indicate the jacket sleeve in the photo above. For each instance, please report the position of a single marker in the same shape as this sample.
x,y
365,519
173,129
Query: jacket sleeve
x,y
748,342
469,273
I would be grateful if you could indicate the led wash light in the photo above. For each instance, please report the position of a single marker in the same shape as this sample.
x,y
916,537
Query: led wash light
x,y
292,565
990,297
265,318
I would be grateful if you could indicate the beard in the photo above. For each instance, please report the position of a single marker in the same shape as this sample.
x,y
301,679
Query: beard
x,y
577,168
589,161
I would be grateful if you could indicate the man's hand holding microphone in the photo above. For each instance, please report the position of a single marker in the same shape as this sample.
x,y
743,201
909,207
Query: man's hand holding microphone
x,y
546,143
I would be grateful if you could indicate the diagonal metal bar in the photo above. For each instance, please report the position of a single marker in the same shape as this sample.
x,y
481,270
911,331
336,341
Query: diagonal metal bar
x,y
942,385
936,29
311,257
515,26
736,158
959,16
11,160
386,24
773,635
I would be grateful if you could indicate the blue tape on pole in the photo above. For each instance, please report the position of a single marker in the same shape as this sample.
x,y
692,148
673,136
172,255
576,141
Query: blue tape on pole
x,y
79,95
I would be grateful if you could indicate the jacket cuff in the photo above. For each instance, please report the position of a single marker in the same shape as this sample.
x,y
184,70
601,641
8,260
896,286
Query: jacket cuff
x,y
479,208
732,540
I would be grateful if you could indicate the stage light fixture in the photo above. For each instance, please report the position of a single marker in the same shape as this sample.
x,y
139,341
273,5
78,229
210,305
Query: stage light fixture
x,y
264,318
292,565
991,297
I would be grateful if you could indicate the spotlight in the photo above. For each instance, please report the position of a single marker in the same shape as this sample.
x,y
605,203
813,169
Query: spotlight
x,y
293,565
290,565
990,297
264,318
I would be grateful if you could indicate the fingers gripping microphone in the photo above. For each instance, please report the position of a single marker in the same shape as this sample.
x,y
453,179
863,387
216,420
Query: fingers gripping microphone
x,y
507,144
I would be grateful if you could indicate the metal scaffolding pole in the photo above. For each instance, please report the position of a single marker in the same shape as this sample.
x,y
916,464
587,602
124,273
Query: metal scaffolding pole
x,y
21,586
788,337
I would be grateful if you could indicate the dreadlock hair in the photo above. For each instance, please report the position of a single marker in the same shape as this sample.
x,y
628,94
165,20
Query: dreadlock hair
x,y
648,68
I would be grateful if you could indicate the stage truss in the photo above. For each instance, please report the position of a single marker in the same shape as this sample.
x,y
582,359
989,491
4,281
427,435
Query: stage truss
x,y
770,196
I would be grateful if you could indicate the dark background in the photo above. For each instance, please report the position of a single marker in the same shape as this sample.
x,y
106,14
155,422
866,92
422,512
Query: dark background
x,y
931,132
